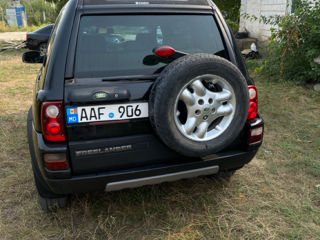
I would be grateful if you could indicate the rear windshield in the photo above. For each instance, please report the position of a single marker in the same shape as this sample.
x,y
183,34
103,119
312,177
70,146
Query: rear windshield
x,y
117,45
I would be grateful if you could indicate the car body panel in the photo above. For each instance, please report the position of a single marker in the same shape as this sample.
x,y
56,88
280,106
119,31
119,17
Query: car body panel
x,y
38,37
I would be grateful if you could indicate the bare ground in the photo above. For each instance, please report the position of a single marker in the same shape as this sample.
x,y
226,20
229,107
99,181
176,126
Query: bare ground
x,y
13,36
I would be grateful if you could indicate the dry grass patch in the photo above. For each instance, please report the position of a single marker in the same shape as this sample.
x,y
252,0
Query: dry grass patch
x,y
277,196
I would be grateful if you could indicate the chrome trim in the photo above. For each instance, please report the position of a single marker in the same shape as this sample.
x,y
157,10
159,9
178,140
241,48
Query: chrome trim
x,y
139,182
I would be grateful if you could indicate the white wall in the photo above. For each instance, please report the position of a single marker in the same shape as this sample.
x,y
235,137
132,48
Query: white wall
x,y
260,8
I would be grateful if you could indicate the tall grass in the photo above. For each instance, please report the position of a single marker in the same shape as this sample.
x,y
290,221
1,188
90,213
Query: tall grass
x,y
5,28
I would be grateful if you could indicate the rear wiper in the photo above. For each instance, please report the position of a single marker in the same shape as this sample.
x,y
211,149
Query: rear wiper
x,y
132,77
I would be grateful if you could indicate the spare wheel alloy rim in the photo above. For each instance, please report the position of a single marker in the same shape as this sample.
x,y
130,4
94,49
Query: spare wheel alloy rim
x,y
204,108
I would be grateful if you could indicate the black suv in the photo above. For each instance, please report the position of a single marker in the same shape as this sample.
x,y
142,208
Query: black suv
x,y
139,92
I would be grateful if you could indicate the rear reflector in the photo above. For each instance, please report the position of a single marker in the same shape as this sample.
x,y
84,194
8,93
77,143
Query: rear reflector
x,y
255,135
56,161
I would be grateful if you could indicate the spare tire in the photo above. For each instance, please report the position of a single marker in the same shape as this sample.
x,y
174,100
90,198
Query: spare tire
x,y
199,104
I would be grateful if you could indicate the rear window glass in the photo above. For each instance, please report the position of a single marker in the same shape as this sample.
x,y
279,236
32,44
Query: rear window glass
x,y
120,45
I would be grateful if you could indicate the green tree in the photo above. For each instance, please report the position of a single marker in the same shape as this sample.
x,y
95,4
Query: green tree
x,y
59,4
39,12
3,5
231,11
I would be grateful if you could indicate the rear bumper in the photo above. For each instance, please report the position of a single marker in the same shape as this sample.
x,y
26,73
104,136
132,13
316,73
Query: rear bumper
x,y
65,182
117,180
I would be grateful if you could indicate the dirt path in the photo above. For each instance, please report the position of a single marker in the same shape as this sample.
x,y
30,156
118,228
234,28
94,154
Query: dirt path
x,y
13,36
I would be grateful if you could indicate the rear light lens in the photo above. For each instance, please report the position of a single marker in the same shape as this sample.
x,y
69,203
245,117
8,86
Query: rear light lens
x,y
256,135
56,161
253,107
53,128
52,111
165,51
52,119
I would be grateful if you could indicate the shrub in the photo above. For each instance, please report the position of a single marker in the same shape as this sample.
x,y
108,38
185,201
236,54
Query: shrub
x,y
3,27
3,5
295,44
59,4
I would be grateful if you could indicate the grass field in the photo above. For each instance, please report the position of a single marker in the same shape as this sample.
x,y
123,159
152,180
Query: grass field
x,y
276,196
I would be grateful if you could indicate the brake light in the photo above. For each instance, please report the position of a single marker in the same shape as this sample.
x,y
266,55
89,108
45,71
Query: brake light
x,y
165,51
52,120
253,107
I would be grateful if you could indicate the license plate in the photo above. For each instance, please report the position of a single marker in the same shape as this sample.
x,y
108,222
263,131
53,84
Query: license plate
x,y
112,112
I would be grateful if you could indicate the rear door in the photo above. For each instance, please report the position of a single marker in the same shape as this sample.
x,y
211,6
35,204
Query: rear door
x,y
107,101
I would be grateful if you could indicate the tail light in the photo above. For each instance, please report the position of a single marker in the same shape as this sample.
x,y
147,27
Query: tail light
x,y
253,107
27,37
52,120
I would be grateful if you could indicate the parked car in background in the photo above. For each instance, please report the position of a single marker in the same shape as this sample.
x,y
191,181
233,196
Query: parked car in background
x,y
38,40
